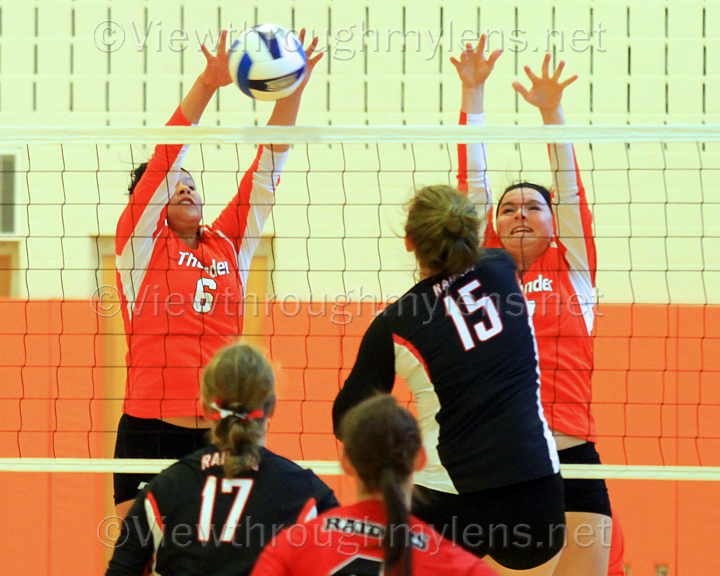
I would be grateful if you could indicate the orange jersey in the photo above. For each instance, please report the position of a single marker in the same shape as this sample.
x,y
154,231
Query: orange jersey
x,y
349,541
180,305
559,287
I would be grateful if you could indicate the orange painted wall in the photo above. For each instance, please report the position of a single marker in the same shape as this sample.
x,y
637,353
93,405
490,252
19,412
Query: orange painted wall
x,y
656,400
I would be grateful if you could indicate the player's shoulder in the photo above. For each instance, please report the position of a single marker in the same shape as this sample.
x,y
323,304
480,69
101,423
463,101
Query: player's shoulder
x,y
407,304
490,257
186,472
201,460
268,458
296,536
214,234
271,463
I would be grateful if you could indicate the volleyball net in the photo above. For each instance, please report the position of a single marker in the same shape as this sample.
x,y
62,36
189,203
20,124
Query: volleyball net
x,y
331,257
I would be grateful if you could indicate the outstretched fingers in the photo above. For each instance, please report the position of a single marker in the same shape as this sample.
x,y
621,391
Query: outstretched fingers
x,y
546,66
569,81
315,59
520,89
530,74
206,52
494,56
222,48
311,48
311,60
481,44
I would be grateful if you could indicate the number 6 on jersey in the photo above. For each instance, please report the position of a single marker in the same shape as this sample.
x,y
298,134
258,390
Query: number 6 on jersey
x,y
483,332
204,300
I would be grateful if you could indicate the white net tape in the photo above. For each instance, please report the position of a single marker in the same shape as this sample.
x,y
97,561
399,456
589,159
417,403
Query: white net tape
x,y
358,134
333,468
25,136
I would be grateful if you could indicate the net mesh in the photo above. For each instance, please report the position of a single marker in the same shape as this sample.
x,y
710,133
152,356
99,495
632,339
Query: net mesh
x,y
330,258
97,62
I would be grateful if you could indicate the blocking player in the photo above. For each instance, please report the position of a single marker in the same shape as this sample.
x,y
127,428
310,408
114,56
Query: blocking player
x,y
182,283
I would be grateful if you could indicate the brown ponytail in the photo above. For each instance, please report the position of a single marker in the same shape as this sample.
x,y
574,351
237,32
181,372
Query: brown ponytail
x,y
382,441
444,227
239,387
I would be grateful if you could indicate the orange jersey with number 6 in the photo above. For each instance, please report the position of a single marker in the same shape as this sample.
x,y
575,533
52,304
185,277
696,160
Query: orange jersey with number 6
x,y
180,305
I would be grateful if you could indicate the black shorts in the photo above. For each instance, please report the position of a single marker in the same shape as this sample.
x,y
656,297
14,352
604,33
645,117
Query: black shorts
x,y
150,438
584,495
521,526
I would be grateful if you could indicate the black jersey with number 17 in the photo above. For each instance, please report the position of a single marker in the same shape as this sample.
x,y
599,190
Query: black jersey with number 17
x,y
192,520
466,348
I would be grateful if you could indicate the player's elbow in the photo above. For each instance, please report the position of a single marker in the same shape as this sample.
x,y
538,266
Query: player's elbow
x,y
337,413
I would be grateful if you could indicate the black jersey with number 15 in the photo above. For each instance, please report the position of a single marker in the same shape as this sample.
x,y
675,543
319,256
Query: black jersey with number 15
x,y
467,350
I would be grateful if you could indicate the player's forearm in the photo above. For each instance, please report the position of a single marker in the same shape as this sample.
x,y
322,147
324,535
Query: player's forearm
x,y
473,159
472,99
553,116
566,178
285,113
352,393
195,102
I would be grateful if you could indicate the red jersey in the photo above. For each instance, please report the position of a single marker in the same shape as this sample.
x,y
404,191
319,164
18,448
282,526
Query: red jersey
x,y
348,541
179,304
559,287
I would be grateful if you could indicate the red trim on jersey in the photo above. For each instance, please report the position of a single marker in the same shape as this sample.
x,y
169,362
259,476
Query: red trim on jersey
x,y
410,348
586,219
462,159
171,332
491,239
309,512
158,166
161,224
156,511
244,192
232,221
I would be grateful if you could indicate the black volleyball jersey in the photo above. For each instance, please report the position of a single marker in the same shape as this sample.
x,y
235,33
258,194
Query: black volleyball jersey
x,y
197,522
466,348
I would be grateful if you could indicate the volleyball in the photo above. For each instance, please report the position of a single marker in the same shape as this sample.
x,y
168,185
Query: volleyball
x,y
267,62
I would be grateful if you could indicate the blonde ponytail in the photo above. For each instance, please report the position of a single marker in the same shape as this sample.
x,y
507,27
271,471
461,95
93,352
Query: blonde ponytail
x,y
239,389
444,228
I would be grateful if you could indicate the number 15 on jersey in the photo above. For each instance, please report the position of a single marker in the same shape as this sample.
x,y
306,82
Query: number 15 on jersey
x,y
485,329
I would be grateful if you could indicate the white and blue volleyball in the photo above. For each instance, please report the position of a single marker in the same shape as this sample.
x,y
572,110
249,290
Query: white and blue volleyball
x,y
267,62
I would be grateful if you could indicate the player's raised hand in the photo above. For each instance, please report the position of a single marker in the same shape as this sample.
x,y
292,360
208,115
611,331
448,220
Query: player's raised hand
x,y
473,68
546,91
216,73
311,60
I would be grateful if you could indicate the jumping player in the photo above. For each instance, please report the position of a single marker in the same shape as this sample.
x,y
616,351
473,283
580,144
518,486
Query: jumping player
x,y
214,511
182,284
462,340
555,254
376,535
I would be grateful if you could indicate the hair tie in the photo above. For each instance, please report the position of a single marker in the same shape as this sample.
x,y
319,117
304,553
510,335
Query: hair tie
x,y
241,413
